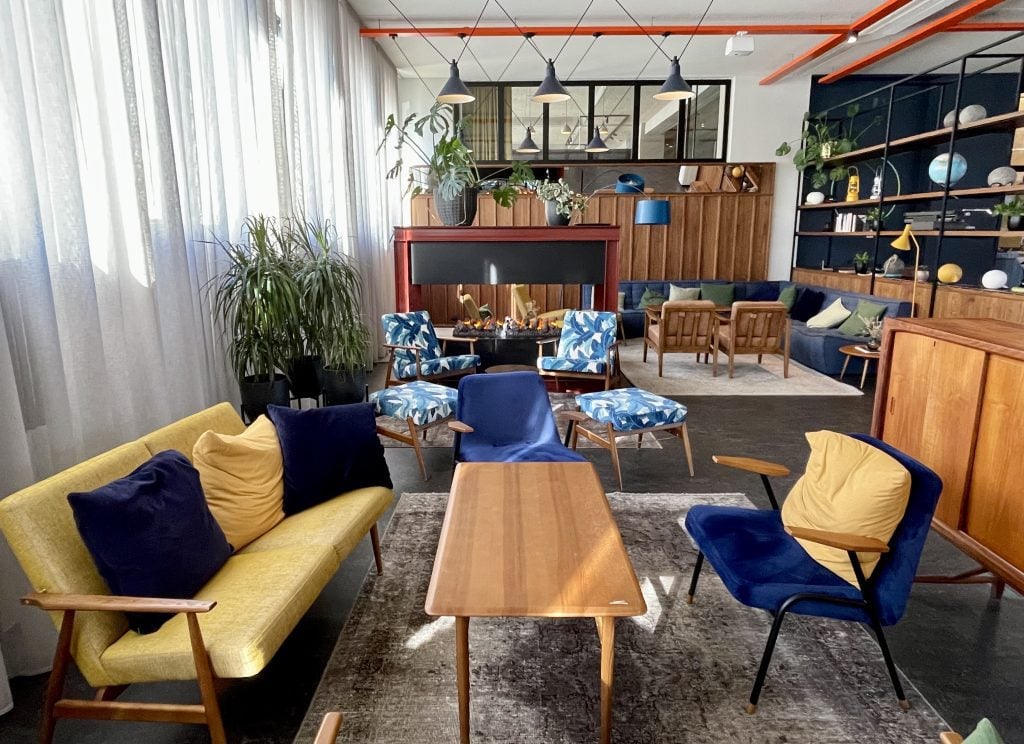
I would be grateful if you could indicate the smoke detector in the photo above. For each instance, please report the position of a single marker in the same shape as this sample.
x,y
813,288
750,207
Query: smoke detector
x,y
739,45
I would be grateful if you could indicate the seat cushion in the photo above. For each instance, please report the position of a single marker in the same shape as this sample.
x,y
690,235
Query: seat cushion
x,y
423,402
243,480
761,565
848,486
183,434
519,452
260,597
631,409
327,451
339,523
440,365
151,533
564,364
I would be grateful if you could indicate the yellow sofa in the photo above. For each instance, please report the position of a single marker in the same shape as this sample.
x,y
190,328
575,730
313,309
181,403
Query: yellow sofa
x,y
231,628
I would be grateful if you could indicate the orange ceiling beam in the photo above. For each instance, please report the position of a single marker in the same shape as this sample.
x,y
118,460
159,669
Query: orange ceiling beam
x,y
939,25
999,26
871,17
814,29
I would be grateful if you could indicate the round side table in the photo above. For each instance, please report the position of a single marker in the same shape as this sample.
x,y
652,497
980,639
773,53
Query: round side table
x,y
861,352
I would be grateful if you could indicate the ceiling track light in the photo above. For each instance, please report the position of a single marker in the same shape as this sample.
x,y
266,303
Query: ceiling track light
x,y
852,36
528,145
550,90
455,91
674,87
597,144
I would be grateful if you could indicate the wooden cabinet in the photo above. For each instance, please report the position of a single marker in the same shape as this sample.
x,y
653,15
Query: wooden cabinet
x,y
951,394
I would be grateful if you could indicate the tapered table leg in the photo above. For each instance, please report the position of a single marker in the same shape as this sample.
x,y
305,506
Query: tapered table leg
x,y
606,631
462,672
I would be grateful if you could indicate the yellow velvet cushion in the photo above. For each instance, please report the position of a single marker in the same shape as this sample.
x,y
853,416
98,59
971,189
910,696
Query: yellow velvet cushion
x,y
243,479
849,486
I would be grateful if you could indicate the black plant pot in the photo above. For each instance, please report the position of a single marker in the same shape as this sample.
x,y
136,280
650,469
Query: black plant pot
x,y
553,217
343,386
861,267
304,376
459,210
259,392
1015,222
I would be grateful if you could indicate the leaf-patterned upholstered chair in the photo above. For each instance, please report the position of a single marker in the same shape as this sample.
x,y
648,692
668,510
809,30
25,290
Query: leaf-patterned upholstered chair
x,y
587,348
414,353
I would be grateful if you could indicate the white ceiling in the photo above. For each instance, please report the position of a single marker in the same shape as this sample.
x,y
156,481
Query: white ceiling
x,y
624,57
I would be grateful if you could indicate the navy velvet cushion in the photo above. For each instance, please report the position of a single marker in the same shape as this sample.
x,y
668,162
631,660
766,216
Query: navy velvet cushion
x,y
762,292
151,534
807,305
327,452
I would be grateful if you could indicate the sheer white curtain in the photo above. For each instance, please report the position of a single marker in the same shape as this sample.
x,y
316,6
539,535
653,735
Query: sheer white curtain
x,y
131,133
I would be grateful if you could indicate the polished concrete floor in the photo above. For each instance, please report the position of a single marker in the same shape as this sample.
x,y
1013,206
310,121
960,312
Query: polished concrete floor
x,y
964,651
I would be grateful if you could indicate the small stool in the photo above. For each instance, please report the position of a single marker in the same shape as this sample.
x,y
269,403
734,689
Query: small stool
x,y
629,411
421,405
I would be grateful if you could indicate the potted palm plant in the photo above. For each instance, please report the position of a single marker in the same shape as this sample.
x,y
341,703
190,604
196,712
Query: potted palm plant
x,y
1013,210
451,173
331,319
257,301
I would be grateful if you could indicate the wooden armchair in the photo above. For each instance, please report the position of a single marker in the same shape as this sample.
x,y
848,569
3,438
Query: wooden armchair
x,y
587,348
683,326
756,328
414,353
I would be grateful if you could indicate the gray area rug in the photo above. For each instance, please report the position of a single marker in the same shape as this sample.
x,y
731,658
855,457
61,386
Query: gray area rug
x,y
683,672
684,376
561,404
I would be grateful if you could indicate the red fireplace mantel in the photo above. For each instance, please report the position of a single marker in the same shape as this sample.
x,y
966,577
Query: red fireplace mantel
x,y
586,254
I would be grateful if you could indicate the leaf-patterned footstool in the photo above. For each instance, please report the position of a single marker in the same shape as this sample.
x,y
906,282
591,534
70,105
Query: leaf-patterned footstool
x,y
421,405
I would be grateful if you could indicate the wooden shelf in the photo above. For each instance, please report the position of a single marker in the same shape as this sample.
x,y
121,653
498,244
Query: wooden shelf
x,y
1002,122
918,233
831,234
920,196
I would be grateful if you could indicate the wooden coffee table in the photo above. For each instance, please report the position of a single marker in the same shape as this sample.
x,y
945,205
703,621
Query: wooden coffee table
x,y
531,540
862,352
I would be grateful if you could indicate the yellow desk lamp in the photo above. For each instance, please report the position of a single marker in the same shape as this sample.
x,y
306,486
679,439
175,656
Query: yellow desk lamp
x,y
902,243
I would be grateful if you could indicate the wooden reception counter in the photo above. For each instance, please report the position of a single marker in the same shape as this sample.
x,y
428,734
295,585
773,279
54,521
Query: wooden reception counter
x,y
580,255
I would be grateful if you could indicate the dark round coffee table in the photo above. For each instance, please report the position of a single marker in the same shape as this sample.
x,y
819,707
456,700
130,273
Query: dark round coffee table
x,y
497,369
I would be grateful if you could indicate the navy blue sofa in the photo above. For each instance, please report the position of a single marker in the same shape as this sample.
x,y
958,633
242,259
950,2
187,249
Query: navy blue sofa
x,y
814,347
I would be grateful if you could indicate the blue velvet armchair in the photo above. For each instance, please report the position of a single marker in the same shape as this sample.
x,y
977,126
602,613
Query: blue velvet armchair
x,y
587,348
415,353
507,418
763,566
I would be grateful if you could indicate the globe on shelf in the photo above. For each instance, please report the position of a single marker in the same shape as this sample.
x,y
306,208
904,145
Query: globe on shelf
x,y
937,168
950,273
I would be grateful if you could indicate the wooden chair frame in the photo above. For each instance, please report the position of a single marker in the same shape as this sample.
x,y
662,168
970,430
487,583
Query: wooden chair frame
x,y
680,343
750,342
329,728
608,441
412,438
611,366
390,381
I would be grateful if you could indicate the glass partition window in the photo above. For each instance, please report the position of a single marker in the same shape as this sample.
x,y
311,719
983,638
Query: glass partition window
x,y
567,126
659,126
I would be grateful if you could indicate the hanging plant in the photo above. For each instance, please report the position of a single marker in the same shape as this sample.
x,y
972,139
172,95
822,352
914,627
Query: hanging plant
x,y
820,141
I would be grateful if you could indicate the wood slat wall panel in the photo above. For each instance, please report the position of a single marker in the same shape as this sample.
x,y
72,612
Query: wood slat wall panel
x,y
833,280
901,289
962,302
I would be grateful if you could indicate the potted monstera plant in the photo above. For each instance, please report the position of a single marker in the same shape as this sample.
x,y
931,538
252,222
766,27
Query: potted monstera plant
x,y
450,171
823,139
257,301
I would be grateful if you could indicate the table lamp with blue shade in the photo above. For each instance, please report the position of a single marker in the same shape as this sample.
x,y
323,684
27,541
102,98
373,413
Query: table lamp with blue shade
x,y
653,212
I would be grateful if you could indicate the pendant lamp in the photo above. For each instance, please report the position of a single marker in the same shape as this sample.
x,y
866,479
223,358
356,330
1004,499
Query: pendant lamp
x,y
597,144
674,88
528,145
455,91
550,90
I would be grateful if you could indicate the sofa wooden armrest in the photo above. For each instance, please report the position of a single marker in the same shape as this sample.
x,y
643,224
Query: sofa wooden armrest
x,y
107,603
841,540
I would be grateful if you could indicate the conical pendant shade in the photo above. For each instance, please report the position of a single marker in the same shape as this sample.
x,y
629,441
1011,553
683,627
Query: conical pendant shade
x,y
675,88
455,91
528,145
551,91
566,129
597,144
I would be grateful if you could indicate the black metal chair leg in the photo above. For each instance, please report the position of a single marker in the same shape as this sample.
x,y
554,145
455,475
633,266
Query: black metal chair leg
x,y
766,659
890,665
696,575
771,493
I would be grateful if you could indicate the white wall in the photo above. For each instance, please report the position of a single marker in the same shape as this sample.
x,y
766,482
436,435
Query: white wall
x,y
762,118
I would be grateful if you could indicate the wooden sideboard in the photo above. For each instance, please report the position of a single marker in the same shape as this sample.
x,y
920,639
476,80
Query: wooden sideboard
x,y
951,394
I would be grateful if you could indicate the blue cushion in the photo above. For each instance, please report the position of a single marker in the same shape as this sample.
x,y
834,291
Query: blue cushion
x,y
439,365
423,402
760,291
586,334
631,409
808,304
410,329
563,364
327,452
151,533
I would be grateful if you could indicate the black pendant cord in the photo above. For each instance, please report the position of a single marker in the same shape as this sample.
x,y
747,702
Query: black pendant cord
x,y
528,37
415,28
629,88
569,37
644,29
394,38
500,75
465,46
694,32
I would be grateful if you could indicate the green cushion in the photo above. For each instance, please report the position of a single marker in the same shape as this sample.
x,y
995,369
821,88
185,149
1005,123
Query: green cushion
x,y
830,317
682,293
650,298
854,325
984,733
788,296
720,294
